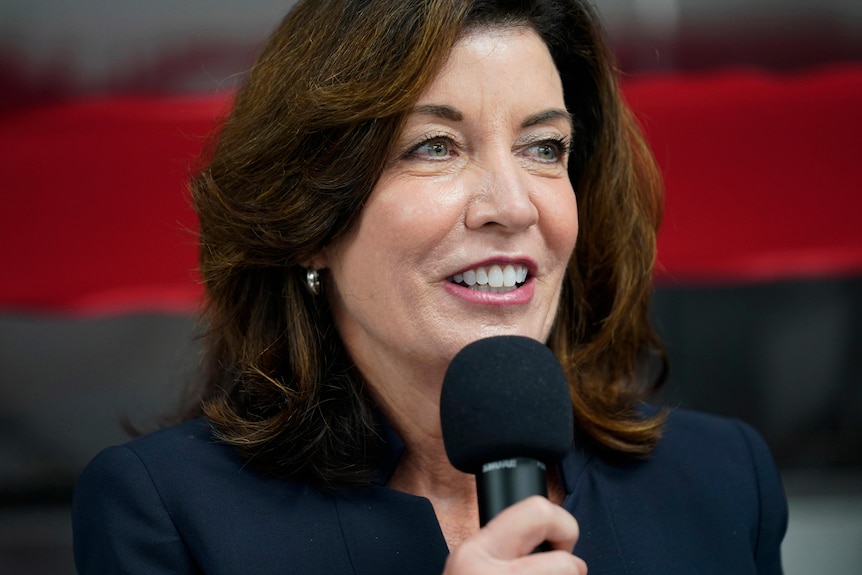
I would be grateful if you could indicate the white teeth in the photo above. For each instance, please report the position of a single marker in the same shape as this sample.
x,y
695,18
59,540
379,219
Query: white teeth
x,y
510,277
481,276
495,279
470,277
495,276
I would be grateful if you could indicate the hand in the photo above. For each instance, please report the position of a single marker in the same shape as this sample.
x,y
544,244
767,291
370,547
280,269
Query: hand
x,y
505,544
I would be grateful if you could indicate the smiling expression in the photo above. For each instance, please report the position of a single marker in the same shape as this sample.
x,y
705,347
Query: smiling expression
x,y
469,230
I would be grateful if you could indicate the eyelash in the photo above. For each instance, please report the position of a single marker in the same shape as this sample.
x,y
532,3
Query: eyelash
x,y
562,145
449,139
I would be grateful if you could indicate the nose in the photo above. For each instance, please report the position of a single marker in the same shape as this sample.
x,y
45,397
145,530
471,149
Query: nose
x,y
502,197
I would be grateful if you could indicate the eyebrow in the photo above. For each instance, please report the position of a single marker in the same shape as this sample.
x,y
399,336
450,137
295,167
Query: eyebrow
x,y
439,110
450,113
549,116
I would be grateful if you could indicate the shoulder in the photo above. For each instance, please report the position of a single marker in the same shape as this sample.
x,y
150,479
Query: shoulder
x,y
118,513
697,435
179,497
152,466
739,479
711,481
180,465
184,450
171,448
692,442
725,455
194,437
180,501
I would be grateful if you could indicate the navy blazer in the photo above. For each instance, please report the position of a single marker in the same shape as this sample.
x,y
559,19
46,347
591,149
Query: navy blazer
x,y
709,500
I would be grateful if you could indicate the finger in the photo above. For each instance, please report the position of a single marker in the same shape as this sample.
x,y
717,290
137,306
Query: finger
x,y
522,527
471,558
552,562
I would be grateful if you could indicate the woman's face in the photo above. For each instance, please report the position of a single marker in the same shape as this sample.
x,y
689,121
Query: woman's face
x,y
469,230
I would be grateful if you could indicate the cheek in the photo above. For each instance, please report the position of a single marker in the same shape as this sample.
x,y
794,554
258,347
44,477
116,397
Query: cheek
x,y
561,222
416,215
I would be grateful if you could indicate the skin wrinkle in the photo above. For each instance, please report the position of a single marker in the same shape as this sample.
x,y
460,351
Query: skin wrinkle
x,y
360,227
312,150
428,217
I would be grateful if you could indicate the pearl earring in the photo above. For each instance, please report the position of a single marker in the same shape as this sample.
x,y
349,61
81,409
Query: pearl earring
x,y
312,281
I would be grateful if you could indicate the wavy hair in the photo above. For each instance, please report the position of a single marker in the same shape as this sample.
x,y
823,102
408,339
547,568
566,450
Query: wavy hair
x,y
289,171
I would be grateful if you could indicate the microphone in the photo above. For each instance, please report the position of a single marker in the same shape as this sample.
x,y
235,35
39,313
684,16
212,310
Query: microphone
x,y
506,414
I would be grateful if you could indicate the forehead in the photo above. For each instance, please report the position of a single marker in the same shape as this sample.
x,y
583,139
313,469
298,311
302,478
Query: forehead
x,y
497,61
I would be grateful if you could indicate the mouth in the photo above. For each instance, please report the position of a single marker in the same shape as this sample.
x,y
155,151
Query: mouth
x,y
493,279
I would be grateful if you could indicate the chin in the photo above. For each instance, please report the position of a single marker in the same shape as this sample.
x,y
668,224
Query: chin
x,y
540,335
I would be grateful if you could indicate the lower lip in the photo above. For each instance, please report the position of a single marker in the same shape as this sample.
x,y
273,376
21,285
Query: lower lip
x,y
519,296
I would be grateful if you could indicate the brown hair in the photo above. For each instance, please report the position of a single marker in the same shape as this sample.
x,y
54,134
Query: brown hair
x,y
292,167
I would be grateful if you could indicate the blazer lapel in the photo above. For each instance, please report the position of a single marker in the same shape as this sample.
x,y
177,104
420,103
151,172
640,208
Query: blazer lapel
x,y
389,532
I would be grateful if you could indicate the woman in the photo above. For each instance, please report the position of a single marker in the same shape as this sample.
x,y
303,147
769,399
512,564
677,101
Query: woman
x,y
395,181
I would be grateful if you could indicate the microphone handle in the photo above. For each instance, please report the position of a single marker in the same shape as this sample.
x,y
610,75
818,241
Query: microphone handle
x,y
505,482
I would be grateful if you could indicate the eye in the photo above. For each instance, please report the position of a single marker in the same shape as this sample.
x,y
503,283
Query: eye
x,y
549,150
434,148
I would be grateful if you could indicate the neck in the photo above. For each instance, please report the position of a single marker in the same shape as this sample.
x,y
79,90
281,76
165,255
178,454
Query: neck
x,y
427,473
424,469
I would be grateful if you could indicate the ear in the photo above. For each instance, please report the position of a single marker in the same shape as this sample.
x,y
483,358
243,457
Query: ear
x,y
318,261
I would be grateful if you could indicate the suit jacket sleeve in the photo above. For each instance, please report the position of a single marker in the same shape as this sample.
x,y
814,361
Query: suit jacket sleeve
x,y
773,505
120,523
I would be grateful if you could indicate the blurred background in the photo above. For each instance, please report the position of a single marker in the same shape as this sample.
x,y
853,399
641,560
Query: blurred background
x,y
753,107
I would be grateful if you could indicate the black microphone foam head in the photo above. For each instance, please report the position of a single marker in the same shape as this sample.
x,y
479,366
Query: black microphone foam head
x,y
505,397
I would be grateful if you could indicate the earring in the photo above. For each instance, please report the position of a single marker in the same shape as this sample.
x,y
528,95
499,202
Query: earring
x,y
312,281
